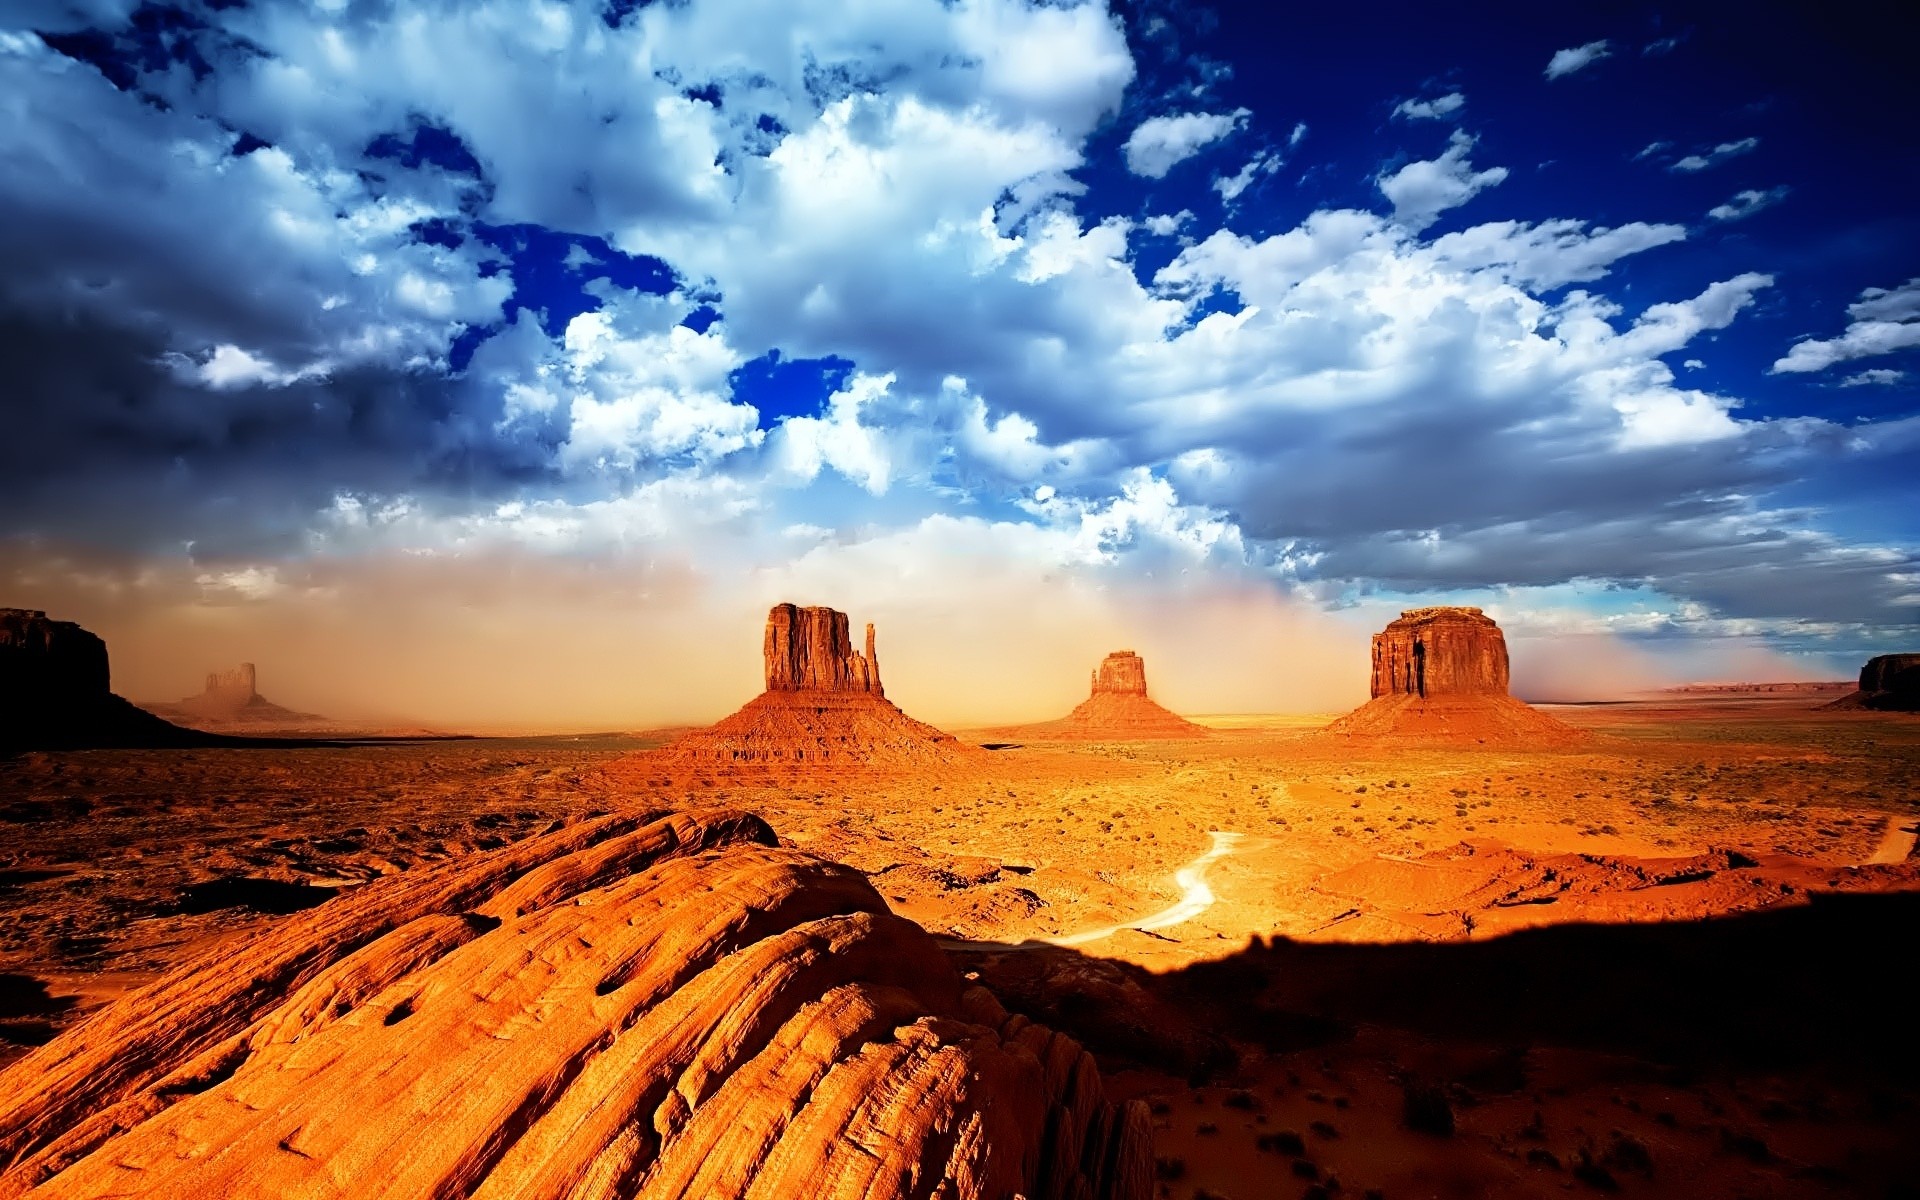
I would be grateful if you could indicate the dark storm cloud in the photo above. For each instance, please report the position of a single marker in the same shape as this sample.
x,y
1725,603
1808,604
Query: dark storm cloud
x,y
106,445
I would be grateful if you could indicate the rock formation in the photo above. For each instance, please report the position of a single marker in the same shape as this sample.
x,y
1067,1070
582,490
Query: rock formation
x,y
629,1006
1440,676
1440,652
823,707
1889,683
56,691
231,699
809,650
1117,709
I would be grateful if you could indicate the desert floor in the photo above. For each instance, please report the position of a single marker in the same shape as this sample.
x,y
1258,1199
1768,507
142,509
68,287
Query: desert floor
x,y
1668,961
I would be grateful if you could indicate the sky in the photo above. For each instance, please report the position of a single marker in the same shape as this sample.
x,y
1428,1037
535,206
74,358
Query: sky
x,y
503,360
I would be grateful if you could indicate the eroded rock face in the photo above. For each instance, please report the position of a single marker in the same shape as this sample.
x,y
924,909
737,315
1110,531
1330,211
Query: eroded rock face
x,y
1121,673
1440,652
625,1007
810,650
55,690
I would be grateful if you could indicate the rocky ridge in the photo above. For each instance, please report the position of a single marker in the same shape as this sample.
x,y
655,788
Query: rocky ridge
x,y
628,1006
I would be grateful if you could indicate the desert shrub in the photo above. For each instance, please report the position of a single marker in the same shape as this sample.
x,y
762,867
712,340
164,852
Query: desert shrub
x,y
1426,1109
1628,1153
1284,1141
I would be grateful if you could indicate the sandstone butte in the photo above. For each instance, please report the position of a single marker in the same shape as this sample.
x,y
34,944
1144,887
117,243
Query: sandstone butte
x,y
1118,708
628,1006
1440,677
1889,683
231,698
56,691
824,706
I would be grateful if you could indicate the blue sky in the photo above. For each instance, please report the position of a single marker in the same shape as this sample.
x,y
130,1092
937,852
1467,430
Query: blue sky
x,y
1606,317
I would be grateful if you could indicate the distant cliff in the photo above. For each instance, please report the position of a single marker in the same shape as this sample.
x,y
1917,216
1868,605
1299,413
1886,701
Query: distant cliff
x,y
56,691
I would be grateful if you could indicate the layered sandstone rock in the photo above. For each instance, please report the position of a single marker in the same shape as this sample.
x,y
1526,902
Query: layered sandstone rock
x,y
625,1007
809,650
231,699
55,690
1440,652
1122,673
1889,683
824,707
1117,708
1440,676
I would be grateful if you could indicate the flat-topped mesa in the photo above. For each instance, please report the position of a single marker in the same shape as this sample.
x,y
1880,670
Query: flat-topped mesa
x,y
239,684
1440,678
1122,673
810,650
1440,652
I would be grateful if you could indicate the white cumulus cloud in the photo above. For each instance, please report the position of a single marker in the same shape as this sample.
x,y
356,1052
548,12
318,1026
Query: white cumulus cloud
x,y
1158,144
1421,191
1884,320
1428,110
1575,58
1717,155
1746,203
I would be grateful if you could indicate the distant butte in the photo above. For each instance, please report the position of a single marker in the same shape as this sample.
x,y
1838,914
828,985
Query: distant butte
x,y
231,700
1440,676
824,706
1118,709
56,691
1888,683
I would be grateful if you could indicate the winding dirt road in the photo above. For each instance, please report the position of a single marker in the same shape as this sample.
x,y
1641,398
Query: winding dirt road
x,y
1195,896
1897,842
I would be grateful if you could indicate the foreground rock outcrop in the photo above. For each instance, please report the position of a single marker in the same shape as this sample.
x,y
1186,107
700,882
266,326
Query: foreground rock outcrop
x,y
824,707
1440,675
231,699
1888,683
630,1006
56,691
1118,709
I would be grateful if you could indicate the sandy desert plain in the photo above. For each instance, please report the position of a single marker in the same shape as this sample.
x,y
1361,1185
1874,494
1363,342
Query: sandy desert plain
x,y
1665,954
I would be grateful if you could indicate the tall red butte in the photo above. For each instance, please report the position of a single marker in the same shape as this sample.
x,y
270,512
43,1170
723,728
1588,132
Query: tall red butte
x,y
1118,708
824,707
1440,676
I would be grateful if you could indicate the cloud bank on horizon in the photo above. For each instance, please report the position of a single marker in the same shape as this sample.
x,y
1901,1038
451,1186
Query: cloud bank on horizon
x,y
750,293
